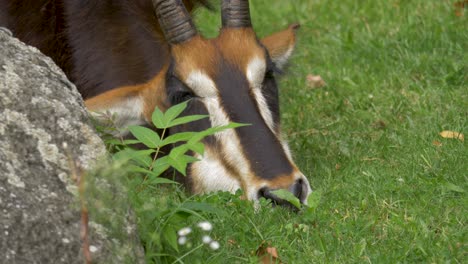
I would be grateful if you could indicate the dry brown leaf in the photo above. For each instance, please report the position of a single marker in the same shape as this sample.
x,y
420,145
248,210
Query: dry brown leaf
x,y
267,254
379,124
437,143
460,7
452,134
315,81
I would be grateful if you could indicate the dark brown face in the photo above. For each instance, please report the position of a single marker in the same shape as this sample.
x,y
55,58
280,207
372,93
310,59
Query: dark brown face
x,y
231,79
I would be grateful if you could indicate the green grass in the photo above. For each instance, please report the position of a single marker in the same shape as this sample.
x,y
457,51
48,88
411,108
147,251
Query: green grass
x,y
396,74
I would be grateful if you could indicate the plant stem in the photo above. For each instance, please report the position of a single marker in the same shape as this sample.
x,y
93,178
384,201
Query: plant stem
x,y
186,254
155,156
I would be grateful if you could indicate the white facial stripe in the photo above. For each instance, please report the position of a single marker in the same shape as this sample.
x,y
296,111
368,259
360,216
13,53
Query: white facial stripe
x,y
256,72
231,146
206,89
210,175
201,84
286,150
127,112
255,75
264,110
229,149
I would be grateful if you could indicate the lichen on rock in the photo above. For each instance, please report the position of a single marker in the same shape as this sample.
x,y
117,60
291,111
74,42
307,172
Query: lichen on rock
x,y
40,110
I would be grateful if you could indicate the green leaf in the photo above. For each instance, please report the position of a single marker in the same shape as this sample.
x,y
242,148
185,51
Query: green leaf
x,y
179,164
189,159
213,130
179,151
159,180
114,141
138,169
174,111
452,187
182,136
313,200
146,136
170,235
131,141
118,142
122,156
160,162
160,166
157,171
197,147
186,119
140,156
288,196
158,118
201,207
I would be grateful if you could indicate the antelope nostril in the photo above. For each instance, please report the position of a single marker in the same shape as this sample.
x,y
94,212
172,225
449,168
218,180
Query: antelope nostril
x,y
299,189
275,200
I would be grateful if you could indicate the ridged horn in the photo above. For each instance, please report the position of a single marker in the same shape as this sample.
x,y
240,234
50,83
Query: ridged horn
x,y
236,13
176,23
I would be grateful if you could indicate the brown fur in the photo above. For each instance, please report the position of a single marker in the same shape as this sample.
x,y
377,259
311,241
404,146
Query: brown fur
x,y
279,43
195,54
152,93
239,46
114,50
100,44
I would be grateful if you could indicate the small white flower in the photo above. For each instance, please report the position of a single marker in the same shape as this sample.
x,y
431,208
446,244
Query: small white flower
x,y
93,249
214,245
206,239
184,231
182,240
205,226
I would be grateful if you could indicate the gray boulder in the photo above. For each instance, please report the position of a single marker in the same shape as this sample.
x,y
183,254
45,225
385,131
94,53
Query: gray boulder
x,y
40,110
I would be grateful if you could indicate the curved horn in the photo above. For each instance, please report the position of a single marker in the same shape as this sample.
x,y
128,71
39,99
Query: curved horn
x,y
236,13
175,21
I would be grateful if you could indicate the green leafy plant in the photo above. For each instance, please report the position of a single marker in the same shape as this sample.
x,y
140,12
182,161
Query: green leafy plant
x,y
150,161
312,201
160,219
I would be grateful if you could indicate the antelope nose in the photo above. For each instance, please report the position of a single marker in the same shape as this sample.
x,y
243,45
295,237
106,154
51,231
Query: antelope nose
x,y
298,189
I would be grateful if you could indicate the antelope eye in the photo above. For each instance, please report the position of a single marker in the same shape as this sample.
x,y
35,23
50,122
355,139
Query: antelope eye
x,y
177,91
270,72
181,96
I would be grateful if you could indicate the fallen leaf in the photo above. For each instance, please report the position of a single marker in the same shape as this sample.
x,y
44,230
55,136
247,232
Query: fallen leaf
x,y
379,124
267,254
437,143
337,166
452,134
459,7
315,81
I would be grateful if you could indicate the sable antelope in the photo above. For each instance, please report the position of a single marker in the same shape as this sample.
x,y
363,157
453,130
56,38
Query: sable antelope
x,y
128,57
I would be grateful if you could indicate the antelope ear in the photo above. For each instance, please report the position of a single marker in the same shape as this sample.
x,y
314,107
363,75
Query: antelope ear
x,y
129,105
280,45
115,110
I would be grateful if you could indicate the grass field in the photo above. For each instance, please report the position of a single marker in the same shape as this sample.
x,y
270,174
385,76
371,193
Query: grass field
x,y
392,189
